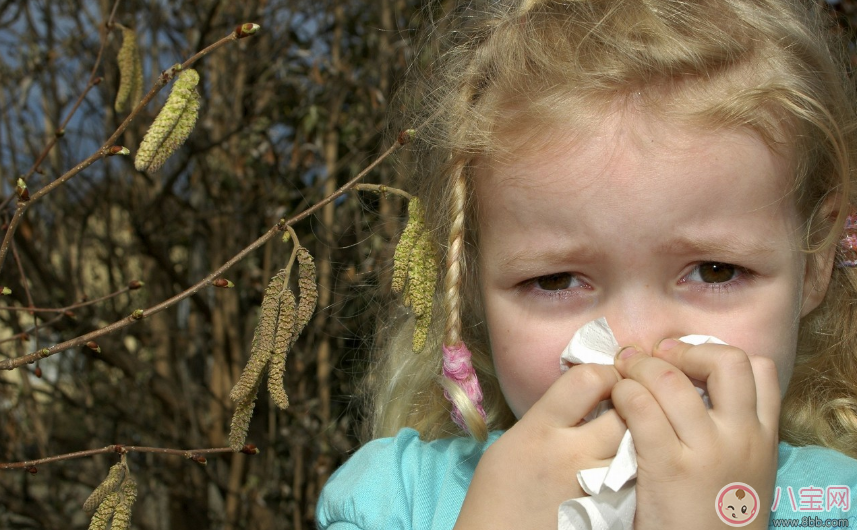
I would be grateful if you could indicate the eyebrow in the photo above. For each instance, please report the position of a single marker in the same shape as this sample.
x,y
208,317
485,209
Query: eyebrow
x,y
726,246
725,249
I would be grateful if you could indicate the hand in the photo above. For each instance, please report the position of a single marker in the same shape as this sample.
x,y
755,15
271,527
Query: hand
x,y
529,471
687,453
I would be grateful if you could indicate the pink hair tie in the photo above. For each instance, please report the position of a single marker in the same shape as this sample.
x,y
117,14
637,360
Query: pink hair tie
x,y
458,368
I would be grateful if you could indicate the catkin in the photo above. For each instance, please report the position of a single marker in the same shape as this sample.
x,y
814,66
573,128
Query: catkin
x,y
404,248
415,271
282,343
172,125
105,511
421,285
308,291
252,373
130,72
281,321
263,340
241,419
180,132
114,477
122,513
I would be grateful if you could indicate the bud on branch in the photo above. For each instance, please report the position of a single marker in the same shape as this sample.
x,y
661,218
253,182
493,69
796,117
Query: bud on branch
x,y
406,136
246,30
118,150
250,449
22,191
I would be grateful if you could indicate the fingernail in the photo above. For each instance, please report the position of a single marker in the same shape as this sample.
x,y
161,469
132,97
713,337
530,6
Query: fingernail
x,y
628,351
667,344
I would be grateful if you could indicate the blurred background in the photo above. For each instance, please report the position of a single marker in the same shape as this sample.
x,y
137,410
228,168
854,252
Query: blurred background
x,y
286,117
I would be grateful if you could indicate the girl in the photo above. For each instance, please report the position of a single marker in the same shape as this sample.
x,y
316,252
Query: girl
x,y
676,167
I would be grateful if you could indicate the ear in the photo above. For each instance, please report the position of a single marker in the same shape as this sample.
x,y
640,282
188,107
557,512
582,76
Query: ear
x,y
819,265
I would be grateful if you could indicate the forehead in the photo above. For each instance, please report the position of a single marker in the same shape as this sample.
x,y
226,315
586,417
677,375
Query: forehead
x,y
635,175
632,146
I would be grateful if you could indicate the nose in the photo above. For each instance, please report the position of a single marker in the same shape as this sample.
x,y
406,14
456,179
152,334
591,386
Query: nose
x,y
643,317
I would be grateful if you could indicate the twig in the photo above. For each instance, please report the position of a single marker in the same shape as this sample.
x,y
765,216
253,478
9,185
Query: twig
x,y
93,80
296,244
26,285
140,314
103,151
192,454
26,333
383,190
70,307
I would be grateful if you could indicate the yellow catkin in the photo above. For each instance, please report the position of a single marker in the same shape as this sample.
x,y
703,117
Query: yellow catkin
x,y
130,72
105,511
252,373
282,343
422,277
180,132
263,340
122,513
407,240
109,485
415,271
308,291
241,419
172,125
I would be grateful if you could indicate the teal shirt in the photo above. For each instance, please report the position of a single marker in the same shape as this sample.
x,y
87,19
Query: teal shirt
x,y
404,483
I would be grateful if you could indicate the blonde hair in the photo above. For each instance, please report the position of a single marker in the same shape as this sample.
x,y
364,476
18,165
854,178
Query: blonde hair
x,y
514,69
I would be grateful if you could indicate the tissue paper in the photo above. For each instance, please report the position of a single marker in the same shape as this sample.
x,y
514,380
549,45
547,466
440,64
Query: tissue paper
x,y
612,497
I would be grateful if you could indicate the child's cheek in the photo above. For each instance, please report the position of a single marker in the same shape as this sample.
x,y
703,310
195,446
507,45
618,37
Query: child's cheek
x,y
525,375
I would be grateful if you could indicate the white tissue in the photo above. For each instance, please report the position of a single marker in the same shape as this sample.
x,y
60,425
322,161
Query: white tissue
x,y
612,498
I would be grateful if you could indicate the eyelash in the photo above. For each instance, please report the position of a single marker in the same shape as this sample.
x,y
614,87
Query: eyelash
x,y
743,276
531,287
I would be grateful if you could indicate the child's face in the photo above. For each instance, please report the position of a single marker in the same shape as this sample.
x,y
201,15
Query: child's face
x,y
662,229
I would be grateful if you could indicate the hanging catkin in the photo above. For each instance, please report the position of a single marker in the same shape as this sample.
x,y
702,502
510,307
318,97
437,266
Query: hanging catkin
x,y
308,290
173,124
415,271
241,418
105,510
130,72
122,513
282,320
282,343
263,340
110,484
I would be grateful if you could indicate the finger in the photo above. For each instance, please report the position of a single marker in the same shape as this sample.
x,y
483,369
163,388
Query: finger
x,y
606,432
574,395
768,395
673,391
654,437
725,369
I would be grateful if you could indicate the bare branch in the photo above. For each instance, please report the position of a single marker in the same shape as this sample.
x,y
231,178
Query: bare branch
x,y
140,314
190,454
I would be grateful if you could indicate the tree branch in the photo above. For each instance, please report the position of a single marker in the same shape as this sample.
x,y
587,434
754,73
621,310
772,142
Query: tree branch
x,y
140,314
191,454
